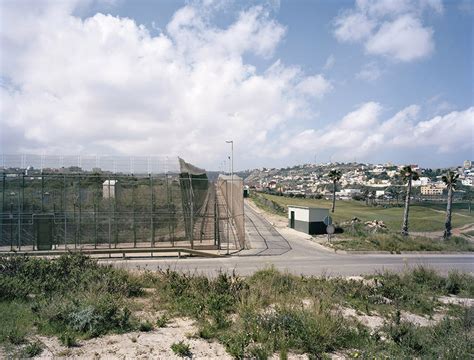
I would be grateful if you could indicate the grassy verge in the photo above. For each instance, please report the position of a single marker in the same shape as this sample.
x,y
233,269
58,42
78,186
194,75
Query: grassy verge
x,y
70,297
270,312
358,237
425,218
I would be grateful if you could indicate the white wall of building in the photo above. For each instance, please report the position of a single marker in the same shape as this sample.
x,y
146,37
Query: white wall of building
x,y
301,214
308,214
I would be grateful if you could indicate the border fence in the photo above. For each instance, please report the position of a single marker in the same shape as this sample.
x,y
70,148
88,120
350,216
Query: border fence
x,y
166,203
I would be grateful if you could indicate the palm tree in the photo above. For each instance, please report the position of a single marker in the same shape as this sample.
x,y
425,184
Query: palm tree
x,y
335,176
450,179
408,174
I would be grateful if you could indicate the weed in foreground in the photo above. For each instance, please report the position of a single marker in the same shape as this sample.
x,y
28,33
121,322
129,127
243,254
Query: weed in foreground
x,y
68,339
32,349
181,349
16,336
162,321
145,326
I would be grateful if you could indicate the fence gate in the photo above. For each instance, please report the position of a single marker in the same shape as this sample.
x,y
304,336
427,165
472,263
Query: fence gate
x,y
43,225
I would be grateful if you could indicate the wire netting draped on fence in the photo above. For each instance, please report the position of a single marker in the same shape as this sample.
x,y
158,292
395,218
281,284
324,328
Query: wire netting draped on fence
x,y
195,195
231,188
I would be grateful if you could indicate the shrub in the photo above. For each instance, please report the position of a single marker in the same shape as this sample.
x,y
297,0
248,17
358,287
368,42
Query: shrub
x,y
145,326
86,314
22,276
16,321
32,349
407,335
258,352
162,321
200,297
16,336
181,349
68,339
308,331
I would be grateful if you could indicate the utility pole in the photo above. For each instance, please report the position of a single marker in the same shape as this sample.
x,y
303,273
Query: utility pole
x,y
231,142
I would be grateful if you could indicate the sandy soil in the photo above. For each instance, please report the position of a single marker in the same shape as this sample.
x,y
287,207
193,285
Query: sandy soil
x,y
138,345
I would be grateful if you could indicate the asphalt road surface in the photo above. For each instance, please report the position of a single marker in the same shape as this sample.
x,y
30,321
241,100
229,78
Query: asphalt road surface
x,y
290,251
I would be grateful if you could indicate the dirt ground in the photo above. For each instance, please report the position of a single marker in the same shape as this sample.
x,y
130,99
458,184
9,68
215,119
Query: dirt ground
x,y
155,344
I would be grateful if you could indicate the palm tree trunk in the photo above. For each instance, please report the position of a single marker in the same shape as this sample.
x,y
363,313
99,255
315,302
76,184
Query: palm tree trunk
x,y
407,208
333,196
447,224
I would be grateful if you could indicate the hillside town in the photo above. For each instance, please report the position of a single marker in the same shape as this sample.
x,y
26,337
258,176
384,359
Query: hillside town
x,y
359,181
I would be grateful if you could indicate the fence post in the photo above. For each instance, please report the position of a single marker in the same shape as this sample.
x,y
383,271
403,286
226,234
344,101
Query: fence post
x,y
79,229
191,211
134,220
42,191
152,210
20,210
65,211
3,206
109,211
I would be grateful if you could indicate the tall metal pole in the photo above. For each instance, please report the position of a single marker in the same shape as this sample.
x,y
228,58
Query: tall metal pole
x,y
231,186
3,205
191,211
20,209
152,209
42,191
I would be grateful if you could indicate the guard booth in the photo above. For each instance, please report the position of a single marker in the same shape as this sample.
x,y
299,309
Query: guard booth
x,y
44,227
310,220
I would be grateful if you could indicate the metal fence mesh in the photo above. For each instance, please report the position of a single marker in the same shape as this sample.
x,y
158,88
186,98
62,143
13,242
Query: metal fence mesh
x,y
231,190
97,208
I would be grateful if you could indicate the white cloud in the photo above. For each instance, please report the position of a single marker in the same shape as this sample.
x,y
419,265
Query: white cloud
x,y
403,39
391,28
362,118
352,27
363,133
316,86
105,85
330,61
370,72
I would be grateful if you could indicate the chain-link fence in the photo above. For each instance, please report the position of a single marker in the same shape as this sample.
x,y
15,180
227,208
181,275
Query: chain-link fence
x,y
231,190
70,208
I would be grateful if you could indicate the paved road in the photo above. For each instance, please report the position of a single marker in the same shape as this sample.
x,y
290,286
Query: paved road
x,y
291,251
264,239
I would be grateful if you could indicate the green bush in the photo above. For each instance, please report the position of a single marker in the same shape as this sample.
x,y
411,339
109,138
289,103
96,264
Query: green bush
x,y
145,326
258,352
24,276
306,331
16,336
86,314
449,339
32,349
200,297
16,321
162,321
181,349
68,339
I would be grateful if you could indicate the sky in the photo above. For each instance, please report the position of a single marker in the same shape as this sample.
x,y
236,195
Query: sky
x,y
290,81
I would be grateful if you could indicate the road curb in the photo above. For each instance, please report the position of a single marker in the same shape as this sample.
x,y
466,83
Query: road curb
x,y
362,252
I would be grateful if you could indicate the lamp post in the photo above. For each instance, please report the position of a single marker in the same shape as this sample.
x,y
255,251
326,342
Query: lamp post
x,y
231,142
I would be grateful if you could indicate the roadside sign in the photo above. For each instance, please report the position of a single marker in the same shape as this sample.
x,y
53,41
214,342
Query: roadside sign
x,y
330,229
327,220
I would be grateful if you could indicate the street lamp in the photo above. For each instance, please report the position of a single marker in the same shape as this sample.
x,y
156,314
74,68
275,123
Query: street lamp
x,y
231,142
